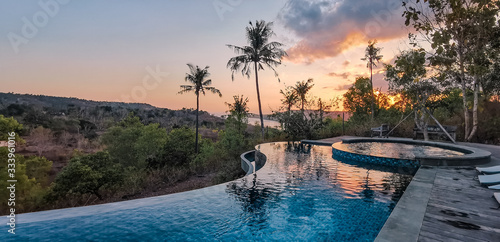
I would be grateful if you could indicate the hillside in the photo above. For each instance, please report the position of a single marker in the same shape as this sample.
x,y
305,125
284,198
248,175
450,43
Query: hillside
x,y
33,110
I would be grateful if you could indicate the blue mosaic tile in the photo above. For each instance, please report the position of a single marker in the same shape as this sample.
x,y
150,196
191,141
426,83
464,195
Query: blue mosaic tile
x,y
375,159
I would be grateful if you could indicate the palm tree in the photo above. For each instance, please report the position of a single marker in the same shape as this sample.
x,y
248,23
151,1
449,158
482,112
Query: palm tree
x,y
372,56
322,107
301,89
260,53
289,98
197,77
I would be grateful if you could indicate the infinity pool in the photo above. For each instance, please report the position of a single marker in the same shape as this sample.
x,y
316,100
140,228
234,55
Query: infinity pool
x,y
301,193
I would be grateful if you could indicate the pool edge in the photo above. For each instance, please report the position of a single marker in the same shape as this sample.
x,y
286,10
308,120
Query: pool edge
x,y
407,217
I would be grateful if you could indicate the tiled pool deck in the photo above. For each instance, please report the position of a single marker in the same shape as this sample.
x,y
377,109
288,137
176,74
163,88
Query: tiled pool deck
x,y
444,204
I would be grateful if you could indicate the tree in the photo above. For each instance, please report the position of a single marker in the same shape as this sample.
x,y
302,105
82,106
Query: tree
x,y
260,53
87,174
197,77
8,125
289,99
42,139
301,89
372,56
462,35
322,107
239,112
358,98
130,143
409,77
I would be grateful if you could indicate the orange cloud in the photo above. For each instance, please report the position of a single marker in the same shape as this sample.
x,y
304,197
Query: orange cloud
x,y
329,28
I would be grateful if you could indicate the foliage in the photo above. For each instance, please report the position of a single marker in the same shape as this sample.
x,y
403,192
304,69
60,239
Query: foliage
x,y
261,52
301,89
176,150
130,142
197,77
290,98
88,174
299,125
238,113
31,174
372,57
449,26
8,125
409,77
358,98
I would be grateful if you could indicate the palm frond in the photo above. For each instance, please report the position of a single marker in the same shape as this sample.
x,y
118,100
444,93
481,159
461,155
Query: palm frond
x,y
214,90
186,88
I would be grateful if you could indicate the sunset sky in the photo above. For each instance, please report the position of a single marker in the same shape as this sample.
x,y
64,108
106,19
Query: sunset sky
x,y
107,50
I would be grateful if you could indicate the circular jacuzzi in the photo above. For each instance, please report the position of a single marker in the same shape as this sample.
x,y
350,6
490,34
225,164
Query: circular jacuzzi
x,y
408,153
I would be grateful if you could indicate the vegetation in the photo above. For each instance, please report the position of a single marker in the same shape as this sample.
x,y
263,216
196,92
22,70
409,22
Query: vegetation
x,y
260,53
238,113
81,152
301,89
372,57
410,78
449,26
197,77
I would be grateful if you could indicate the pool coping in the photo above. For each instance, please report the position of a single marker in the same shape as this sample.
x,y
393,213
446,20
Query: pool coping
x,y
405,221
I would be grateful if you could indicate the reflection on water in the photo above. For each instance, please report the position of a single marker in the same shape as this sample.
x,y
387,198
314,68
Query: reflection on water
x,y
304,191
301,193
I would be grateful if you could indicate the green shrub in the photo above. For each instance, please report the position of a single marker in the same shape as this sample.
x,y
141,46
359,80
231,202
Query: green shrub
x,y
88,174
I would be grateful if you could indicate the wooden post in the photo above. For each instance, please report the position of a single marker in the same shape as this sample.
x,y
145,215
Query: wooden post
x,y
387,135
343,130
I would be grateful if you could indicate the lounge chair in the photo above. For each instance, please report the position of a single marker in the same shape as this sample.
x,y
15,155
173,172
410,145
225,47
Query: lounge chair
x,y
489,170
494,187
489,179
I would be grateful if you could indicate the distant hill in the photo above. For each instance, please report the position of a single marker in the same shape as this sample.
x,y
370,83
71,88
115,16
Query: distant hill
x,y
51,112
7,99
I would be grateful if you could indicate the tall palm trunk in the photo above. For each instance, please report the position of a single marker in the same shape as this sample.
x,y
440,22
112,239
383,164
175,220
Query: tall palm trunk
x,y
373,96
258,100
197,110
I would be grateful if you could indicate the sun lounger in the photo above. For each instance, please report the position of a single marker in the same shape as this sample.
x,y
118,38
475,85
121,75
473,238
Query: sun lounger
x,y
489,179
495,187
489,170
497,196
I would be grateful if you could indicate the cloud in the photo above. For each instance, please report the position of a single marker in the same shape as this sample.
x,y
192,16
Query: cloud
x,y
339,87
346,63
344,75
327,28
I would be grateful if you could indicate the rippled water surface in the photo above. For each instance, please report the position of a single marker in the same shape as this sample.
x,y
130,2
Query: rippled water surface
x,y
397,150
301,193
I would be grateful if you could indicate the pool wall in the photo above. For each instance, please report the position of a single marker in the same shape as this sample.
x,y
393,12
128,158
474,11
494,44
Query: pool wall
x,y
246,162
340,154
252,161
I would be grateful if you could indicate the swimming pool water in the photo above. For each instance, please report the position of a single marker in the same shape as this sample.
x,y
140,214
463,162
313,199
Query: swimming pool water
x,y
396,150
301,193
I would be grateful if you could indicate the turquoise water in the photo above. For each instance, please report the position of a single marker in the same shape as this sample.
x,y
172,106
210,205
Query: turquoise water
x,y
302,193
